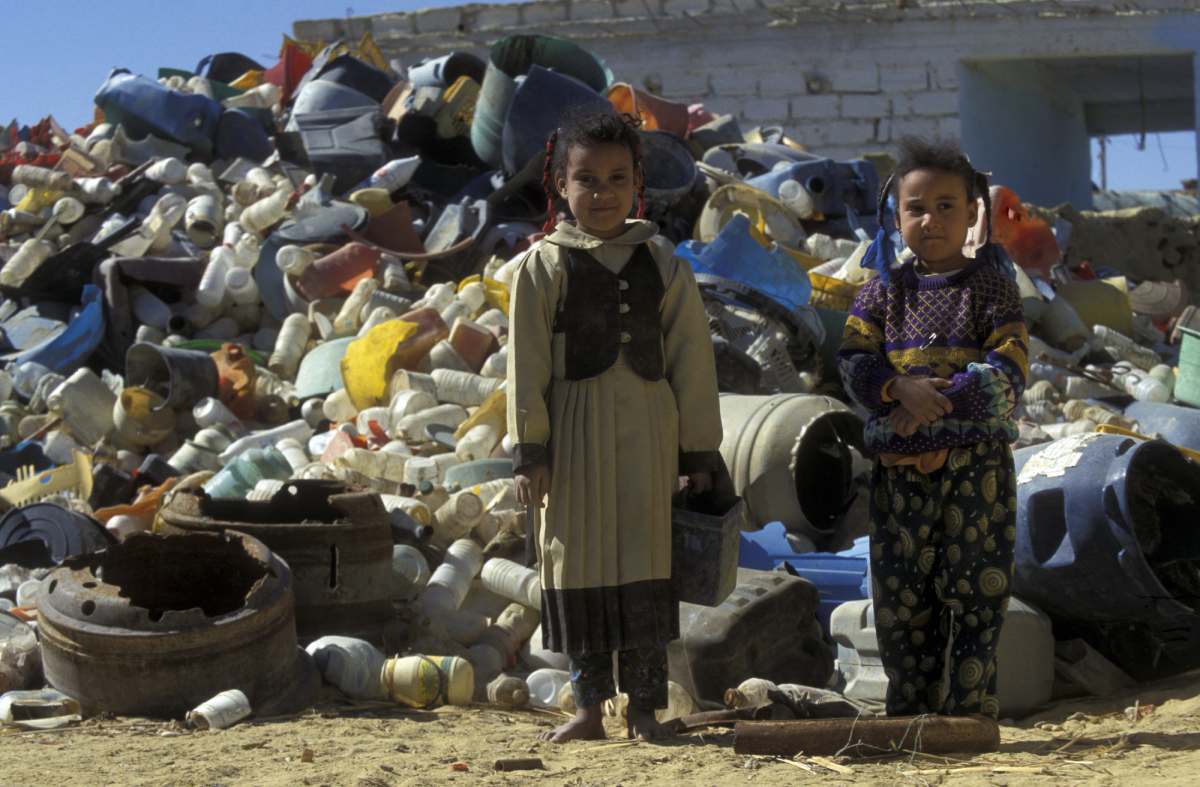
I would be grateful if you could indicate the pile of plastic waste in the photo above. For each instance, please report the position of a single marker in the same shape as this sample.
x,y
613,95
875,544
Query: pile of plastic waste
x,y
266,308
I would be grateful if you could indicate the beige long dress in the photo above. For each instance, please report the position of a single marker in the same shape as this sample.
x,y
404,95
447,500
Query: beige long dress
x,y
616,444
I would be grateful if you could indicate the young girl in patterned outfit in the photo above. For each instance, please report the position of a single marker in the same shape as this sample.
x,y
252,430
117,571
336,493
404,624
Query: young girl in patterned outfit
x,y
936,350
612,394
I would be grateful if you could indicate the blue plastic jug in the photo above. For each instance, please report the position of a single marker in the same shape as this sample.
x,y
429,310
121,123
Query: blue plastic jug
x,y
837,187
143,106
735,254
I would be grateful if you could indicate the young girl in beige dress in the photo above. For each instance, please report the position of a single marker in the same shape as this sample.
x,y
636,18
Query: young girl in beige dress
x,y
612,396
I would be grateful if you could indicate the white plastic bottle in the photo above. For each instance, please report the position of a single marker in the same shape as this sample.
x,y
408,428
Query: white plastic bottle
x,y
293,451
796,197
511,629
409,568
211,290
415,509
290,345
457,517
338,407
544,686
297,429
409,402
478,443
293,260
348,317
508,691
413,426
513,581
211,411
241,287
450,582
463,388
266,212
353,665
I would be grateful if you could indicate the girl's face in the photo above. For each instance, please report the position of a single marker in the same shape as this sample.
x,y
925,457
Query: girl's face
x,y
599,183
935,215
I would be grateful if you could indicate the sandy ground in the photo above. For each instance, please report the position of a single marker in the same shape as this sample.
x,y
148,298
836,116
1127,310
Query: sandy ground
x,y
1075,742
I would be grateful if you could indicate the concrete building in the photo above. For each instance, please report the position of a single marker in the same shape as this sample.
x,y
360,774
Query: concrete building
x,y
1025,84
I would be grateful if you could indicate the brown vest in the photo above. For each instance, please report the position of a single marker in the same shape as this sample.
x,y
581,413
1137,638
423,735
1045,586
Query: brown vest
x,y
605,312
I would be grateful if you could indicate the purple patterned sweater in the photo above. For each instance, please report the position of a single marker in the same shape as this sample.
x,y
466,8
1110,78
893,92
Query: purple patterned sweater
x,y
967,327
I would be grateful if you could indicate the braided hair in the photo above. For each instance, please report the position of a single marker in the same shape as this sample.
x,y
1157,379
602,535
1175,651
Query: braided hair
x,y
590,129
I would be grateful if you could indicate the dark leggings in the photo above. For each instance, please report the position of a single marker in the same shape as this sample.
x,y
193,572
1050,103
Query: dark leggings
x,y
941,564
643,676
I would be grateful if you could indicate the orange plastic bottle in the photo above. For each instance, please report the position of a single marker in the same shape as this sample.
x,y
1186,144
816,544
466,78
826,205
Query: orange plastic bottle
x,y
337,273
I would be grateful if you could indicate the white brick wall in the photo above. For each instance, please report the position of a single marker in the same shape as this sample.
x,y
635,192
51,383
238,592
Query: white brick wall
x,y
841,77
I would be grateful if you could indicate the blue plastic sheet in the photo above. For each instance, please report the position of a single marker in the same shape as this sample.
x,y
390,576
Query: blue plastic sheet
x,y
735,254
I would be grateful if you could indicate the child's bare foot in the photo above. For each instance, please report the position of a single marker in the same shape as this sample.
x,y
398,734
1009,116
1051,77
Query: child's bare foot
x,y
588,725
643,726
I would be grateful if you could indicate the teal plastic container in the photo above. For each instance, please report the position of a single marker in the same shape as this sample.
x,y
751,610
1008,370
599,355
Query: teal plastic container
x,y
1187,382
235,480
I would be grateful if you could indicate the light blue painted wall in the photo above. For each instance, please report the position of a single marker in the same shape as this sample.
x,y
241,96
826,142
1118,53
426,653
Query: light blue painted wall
x,y
1031,135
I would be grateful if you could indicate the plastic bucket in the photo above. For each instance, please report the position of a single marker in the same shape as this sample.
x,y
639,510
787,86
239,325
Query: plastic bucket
x,y
1187,382
670,170
656,114
704,547
182,377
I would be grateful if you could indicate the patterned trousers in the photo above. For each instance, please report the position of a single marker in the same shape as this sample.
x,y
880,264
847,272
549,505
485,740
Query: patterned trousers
x,y
941,563
643,676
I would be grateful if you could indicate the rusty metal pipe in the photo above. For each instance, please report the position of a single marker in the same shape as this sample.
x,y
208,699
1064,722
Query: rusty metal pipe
x,y
926,734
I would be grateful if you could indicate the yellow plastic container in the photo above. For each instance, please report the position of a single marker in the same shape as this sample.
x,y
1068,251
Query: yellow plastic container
x,y
428,681
831,293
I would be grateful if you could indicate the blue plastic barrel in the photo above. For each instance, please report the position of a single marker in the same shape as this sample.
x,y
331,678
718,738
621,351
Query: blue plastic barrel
x,y
839,576
1107,546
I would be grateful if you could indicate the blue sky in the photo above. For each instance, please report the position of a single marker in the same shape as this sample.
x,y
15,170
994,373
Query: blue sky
x,y
65,49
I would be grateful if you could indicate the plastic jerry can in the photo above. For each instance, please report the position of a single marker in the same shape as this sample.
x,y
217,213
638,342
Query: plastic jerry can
x,y
766,628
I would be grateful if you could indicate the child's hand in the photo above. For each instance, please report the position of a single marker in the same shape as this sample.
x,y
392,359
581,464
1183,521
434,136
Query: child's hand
x,y
904,423
532,485
922,397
